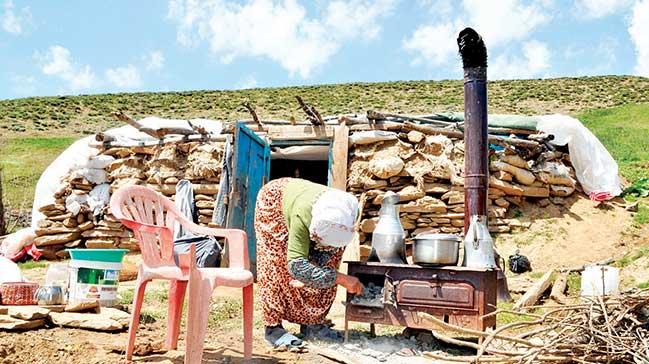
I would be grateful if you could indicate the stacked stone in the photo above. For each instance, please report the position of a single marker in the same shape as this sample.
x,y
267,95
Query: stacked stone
x,y
426,171
158,167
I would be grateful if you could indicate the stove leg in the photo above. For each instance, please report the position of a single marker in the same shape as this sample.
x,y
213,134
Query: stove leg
x,y
372,330
346,339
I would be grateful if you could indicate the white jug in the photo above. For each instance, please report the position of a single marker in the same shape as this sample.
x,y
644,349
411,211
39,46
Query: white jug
x,y
600,280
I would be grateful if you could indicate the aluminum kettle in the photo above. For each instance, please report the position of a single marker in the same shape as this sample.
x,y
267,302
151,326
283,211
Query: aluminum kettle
x,y
478,245
388,238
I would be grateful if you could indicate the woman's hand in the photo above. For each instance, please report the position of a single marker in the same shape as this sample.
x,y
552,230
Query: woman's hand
x,y
351,283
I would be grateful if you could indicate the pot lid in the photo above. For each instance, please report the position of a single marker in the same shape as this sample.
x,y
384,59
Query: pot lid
x,y
437,236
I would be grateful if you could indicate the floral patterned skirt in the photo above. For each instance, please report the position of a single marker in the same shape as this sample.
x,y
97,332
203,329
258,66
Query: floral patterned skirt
x,y
279,300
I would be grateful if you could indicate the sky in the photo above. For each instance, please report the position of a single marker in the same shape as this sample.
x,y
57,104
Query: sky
x,y
87,47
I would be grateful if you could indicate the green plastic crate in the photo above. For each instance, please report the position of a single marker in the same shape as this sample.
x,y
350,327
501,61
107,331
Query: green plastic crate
x,y
98,255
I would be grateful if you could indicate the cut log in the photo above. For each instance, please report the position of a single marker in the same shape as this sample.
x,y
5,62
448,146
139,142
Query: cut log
x,y
533,294
459,135
559,287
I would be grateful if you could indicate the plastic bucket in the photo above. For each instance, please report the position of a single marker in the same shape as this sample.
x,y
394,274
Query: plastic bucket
x,y
94,275
600,280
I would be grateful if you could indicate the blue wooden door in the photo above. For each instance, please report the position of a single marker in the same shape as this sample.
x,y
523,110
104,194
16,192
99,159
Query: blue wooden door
x,y
251,171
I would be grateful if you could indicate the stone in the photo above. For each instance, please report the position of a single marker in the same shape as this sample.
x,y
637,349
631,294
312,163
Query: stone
x,y
207,212
371,183
415,136
120,316
205,204
410,193
558,200
408,224
457,208
57,229
424,204
544,202
561,191
457,223
495,192
508,188
386,167
83,306
502,202
521,175
450,230
56,239
28,312
100,244
86,226
101,233
93,321
529,191
519,223
503,176
10,323
436,188
515,160
499,228
424,230
73,244
368,225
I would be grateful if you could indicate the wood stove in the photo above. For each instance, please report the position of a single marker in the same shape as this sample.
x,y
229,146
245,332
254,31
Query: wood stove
x,y
457,295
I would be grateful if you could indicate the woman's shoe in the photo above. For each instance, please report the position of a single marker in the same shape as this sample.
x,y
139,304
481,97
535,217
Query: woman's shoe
x,y
279,338
320,332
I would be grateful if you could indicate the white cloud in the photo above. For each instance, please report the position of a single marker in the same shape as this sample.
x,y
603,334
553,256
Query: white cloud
x,y
278,30
639,31
154,61
124,77
593,9
246,83
504,21
602,56
15,22
500,23
433,44
534,63
58,62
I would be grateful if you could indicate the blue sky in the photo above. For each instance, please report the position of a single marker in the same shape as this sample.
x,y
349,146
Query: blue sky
x,y
82,47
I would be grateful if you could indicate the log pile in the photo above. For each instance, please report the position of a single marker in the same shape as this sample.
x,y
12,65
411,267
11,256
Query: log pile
x,y
426,170
75,221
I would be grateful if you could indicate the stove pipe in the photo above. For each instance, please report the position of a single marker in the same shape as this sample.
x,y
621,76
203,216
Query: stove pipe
x,y
476,147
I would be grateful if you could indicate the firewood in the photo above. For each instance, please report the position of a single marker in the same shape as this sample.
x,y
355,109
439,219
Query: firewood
x,y
534,293
559,287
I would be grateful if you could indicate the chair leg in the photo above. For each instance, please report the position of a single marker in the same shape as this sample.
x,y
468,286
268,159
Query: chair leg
x,y
247,321
138,297
200,291
175,312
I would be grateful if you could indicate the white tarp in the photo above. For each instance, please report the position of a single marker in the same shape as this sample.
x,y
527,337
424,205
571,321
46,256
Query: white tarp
x,y
78,157
595,168
302,153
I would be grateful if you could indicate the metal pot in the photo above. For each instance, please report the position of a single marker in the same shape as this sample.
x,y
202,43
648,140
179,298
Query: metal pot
x,y
49,295
438,249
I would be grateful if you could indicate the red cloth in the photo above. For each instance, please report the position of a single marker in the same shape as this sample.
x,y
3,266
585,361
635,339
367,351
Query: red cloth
x,y
600,196
30,250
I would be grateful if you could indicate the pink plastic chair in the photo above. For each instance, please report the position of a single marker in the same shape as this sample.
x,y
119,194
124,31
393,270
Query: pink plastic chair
x,y
151,216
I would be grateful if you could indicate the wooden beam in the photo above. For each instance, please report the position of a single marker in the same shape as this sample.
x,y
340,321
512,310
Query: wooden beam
x,y
339,164
534,293
460,135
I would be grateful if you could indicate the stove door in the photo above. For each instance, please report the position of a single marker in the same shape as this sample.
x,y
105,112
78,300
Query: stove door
x,y
435,294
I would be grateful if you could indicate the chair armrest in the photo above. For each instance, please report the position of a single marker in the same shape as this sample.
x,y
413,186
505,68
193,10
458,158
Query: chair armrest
x,y
165,233
237,242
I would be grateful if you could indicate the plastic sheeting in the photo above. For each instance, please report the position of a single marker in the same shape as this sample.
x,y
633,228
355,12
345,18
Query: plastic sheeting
x,y
596,170
371,136
10,271
302,153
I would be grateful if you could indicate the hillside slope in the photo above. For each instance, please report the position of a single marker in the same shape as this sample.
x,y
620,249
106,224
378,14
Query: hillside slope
x,y
86,114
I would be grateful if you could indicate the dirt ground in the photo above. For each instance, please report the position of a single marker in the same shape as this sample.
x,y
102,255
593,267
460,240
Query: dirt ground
x,y
562,236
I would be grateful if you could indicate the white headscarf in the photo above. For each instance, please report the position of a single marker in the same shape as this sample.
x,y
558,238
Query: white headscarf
x,y
333,217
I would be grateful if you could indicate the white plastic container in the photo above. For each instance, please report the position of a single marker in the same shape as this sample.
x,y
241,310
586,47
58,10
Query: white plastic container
x,y
600,280
92,281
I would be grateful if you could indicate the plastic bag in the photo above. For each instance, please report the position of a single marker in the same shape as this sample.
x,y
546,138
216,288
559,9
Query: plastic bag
x,y
596,170
208,250
98,198
14,243
371,136
519,263
99,162
10,271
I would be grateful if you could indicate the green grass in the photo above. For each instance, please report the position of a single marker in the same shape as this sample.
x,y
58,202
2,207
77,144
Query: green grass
x,y
32,264
643,285
22,160
574,284
632,257
624,131
642,216
223,311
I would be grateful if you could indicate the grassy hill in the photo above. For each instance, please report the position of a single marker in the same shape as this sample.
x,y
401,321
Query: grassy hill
x,y
87,114
33,131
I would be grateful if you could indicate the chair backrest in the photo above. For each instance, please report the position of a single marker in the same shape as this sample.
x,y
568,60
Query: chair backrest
x,y
137,205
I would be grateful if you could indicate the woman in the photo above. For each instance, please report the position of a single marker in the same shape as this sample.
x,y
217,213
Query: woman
x,y
302,229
